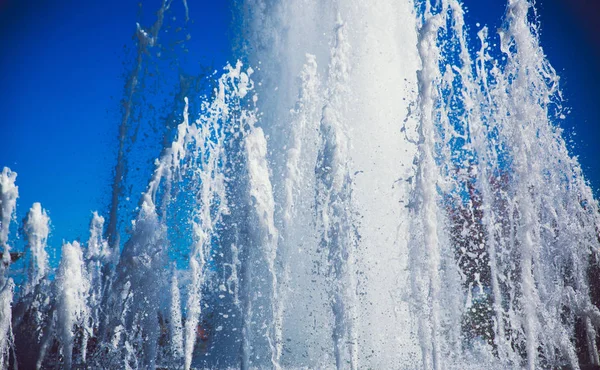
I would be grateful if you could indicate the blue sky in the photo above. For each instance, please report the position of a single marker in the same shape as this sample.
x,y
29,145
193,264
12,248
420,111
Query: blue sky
x,y
63,70
64,64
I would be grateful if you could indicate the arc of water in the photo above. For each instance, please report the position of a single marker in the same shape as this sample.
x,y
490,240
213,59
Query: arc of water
x,y
146,39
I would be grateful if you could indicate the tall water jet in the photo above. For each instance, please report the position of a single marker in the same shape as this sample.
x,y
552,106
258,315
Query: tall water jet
x,y
333,200
427,256
9,193
176,322
37,229
100,263
31,311
72,310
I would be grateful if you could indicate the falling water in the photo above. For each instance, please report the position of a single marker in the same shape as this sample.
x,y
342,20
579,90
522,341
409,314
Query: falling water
x,y
365,190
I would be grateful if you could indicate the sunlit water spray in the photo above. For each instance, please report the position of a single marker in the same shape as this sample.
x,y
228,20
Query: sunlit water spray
x,y
370,194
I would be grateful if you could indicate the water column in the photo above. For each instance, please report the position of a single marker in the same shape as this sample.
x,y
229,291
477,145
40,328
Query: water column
x,y
72,310
365,84
379,95
333,205
37,227
9,193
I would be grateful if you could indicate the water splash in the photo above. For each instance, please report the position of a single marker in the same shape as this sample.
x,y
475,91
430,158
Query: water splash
x,y
9,193
72,311
381,197
37,228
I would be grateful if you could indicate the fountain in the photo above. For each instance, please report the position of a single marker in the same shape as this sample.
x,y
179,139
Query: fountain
x,y
364,190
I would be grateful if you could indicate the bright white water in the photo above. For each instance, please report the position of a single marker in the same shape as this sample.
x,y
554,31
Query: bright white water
x,y
365,191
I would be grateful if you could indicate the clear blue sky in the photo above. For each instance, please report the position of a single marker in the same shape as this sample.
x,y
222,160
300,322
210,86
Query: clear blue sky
x,y
62,73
